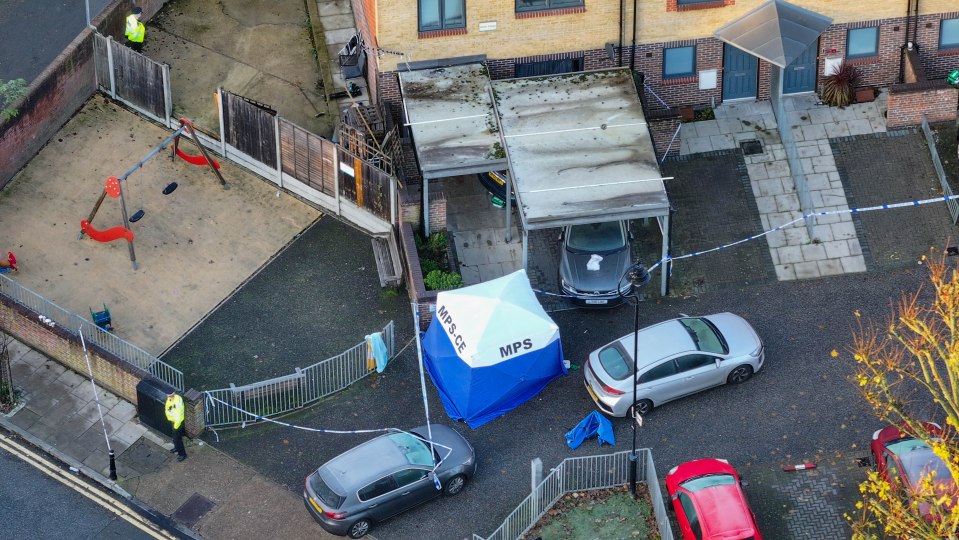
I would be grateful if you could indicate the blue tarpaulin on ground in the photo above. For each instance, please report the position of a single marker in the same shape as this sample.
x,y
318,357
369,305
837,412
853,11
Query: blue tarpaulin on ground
x,y
593,424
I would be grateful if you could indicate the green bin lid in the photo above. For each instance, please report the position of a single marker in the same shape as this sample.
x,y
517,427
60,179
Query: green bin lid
x,y
953,77
496,201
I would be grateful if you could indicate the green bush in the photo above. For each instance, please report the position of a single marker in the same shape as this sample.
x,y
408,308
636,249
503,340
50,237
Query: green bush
x,y
438,280
838,87
428,265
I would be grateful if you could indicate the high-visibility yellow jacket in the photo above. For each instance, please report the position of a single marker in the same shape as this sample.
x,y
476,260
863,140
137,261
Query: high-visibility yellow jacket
x,y
135,30
174,410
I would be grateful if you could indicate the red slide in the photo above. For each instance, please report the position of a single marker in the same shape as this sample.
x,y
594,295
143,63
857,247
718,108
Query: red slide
x,y
107,235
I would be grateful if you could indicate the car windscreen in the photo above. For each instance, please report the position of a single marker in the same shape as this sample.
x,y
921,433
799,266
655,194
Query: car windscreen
x,y
706,336
413,448
702,482
596,237
918,461
324,492
615,363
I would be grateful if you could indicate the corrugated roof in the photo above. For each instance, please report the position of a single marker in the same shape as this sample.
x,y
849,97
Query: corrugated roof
x,y
451,116
777,31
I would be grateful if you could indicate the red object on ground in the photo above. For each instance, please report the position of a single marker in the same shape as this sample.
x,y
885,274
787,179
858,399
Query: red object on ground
x,y
112,187
107,235
195,160
10,263
709,501
800,467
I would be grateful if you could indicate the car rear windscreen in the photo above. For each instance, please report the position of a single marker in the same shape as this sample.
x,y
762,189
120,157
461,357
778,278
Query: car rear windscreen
x,y
615,363
324,492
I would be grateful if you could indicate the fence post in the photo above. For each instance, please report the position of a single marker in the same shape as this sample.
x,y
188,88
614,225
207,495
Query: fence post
x,y
537,470
113,85
219,110
336,178
279,158
167,94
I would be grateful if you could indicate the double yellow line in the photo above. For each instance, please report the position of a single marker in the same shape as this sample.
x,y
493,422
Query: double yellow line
x,y
76,484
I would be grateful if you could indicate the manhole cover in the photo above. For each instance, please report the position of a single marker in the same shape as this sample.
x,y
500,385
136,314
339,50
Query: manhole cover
x,y
751,148
193,509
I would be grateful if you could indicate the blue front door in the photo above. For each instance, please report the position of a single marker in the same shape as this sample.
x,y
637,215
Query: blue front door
x,y
740,73
800,76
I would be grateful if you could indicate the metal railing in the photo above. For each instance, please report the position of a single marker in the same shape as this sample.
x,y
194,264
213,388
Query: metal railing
x,y
940,172
235,404
74,324
580,474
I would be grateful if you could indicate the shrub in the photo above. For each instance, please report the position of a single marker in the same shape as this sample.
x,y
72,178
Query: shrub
x,y
438,280
428,265
838,87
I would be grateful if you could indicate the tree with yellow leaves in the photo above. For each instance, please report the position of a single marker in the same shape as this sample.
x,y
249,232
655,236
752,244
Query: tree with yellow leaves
x,y
900,370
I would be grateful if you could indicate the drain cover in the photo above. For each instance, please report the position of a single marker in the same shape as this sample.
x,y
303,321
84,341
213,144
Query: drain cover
x,y
193,509
751,148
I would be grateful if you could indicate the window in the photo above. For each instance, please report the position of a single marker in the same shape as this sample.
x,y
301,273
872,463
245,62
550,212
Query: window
x,y
539,5
679,62
694,361
693,2
949,34
442,14
862,43
666,369
408,476
615,363
690,510
380,487
706,336
549,67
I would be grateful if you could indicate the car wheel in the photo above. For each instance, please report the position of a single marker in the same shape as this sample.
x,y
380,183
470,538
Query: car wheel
x,y
454,485
643,407
739,375
360,528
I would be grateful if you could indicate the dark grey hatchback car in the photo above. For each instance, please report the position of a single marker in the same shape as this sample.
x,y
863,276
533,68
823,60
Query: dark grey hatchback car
x,y
386,476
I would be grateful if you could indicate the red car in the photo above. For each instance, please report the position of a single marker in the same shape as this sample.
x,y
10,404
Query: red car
x,y
898,455
709,501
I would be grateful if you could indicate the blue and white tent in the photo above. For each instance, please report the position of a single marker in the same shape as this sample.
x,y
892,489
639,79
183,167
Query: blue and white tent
x,y
490,348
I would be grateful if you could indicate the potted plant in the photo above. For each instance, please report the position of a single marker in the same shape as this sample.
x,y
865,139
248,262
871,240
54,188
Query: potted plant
x,y
838,87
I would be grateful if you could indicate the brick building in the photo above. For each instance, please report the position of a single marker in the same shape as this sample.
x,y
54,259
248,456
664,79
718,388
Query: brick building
x,y
670,41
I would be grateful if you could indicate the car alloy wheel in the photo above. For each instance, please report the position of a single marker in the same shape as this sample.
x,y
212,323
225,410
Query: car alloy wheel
x,y
740,375
642,407
455,485
359,529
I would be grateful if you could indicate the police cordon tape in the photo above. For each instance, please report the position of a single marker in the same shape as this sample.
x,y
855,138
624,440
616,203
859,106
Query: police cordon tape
x,y
892,206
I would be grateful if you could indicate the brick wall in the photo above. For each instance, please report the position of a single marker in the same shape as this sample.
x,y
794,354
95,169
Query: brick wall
x,y
912,70
685,91
662,127
881,70
437,203
364,15
937,63
59,91
414,276
909,102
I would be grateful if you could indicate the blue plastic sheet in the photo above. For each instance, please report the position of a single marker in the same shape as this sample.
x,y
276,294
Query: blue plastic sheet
x,y
594,424
376,348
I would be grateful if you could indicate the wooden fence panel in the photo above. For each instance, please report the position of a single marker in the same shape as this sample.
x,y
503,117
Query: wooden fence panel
x,y
101,62
139,80
307,157
249,127
368,187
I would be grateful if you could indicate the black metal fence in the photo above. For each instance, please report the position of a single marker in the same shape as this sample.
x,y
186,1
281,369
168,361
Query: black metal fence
x,y
250,127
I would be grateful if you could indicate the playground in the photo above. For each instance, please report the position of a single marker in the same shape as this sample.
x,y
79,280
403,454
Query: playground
x,y
193,244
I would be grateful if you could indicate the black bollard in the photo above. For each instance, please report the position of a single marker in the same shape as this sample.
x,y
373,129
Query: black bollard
x,y
113,465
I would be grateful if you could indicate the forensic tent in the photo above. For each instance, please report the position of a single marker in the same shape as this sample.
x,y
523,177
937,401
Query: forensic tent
x,y
490,348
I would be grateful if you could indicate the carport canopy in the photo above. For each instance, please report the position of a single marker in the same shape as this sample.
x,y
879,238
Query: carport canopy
x,y
450,114
777,31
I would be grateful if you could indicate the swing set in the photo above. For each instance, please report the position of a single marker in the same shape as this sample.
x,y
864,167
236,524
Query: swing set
x,y
114,188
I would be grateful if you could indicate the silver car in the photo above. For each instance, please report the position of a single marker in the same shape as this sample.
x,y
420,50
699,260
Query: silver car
x,y
677,358
593,259
386,476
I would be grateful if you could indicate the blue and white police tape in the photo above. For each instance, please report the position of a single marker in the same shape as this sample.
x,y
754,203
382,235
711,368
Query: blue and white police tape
x,y
891,206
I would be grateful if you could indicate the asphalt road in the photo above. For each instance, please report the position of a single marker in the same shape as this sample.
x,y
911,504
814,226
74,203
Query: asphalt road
x,y
34,32
37,506
801,406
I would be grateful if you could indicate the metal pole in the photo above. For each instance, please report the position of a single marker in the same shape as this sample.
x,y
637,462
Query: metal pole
x,y
632,453
87,2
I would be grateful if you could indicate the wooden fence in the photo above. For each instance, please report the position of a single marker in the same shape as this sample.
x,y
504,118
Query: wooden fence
x,y
307,157
133,78
250,127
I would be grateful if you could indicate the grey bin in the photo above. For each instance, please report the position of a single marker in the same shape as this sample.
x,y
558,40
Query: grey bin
x,y
151,405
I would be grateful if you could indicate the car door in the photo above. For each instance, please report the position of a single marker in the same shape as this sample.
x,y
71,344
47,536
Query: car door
x,y
660,382
699,371
687,517
377,498
413,487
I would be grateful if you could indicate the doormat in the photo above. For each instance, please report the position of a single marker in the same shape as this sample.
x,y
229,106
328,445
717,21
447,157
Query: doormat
x,y
192,510
751,148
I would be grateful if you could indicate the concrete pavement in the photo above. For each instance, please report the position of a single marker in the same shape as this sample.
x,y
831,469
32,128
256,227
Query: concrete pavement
x,y
210,494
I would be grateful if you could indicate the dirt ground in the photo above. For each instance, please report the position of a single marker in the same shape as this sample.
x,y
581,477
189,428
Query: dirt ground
x,y
602,513
262,51
194,246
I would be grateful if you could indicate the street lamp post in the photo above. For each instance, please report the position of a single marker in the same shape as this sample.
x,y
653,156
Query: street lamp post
x,y
638,276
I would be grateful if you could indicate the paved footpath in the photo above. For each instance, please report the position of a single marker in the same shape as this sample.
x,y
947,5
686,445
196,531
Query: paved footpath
x,y
210,494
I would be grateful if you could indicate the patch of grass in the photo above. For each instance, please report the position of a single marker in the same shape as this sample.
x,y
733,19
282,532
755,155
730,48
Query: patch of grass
x,y
602,513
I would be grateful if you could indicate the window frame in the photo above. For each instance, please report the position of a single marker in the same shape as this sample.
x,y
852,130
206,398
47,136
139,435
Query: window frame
x,y
391,484
442,26
874,54
669,362
954,44
706,359
573,4
415,475
691,73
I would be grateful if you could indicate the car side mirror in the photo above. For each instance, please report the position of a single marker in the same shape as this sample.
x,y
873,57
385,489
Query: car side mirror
x,y
744,483
561,234
683,315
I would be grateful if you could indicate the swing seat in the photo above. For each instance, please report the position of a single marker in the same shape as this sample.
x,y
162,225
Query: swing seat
x,y
102,318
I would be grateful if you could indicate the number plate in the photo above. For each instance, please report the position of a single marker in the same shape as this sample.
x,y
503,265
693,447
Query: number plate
x,y
591,393
596,301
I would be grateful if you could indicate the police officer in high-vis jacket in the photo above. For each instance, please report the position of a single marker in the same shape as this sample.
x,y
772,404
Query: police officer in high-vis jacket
x,y
175,413
135,30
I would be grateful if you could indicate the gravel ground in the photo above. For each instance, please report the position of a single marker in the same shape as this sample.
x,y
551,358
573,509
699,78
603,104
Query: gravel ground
x,y
801,406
